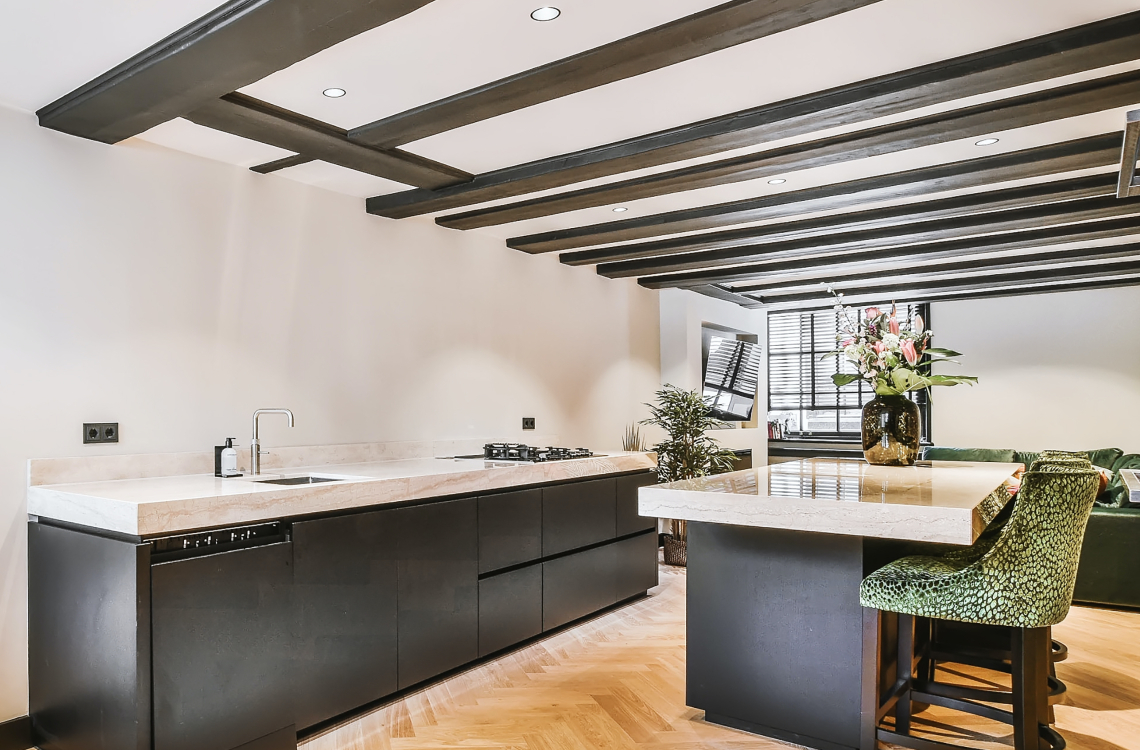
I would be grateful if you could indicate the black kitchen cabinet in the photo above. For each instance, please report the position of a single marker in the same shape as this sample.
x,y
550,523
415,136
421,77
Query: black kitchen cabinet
x,y
510,529
577,585
510,608
628,520
344,604
577,515
438,576
635,569
221,648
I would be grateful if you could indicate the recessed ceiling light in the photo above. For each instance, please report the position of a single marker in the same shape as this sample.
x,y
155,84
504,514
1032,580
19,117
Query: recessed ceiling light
x,y
620,210
986,142
546,14
777,181
334,93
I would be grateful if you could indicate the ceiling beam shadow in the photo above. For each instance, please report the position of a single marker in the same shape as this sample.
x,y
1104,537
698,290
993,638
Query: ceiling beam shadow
x,y
1084,153
1065,52
1039,107
236,44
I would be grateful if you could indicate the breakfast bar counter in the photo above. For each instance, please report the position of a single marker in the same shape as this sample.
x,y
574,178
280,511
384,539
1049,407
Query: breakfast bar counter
x,y
777,641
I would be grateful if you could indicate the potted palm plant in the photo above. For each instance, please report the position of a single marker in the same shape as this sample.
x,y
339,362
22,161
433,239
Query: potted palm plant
x,y
687,452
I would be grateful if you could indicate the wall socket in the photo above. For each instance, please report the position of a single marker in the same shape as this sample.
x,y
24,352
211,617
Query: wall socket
x,y
100,432
528,423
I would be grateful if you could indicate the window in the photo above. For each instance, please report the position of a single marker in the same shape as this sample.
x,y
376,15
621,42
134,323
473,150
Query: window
x,y
801,395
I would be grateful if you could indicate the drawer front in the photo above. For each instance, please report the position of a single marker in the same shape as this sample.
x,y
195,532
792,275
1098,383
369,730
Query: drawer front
x,y
510,609
577,515
577,585
636,566
510,529
628,520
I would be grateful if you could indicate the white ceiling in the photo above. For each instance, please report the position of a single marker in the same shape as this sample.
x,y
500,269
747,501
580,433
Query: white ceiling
x,y
49,47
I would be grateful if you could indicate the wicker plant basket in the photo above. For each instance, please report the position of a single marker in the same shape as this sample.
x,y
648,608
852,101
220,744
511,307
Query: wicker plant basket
x,y
676,551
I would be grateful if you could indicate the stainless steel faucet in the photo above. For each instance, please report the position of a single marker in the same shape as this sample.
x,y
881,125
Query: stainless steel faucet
x,y
255,446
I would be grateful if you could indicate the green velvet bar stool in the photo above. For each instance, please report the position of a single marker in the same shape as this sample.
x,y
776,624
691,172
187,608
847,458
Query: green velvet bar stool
x,y
1020,577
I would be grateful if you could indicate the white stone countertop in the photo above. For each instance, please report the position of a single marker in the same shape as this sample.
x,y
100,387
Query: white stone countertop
x,y
939,501
159,506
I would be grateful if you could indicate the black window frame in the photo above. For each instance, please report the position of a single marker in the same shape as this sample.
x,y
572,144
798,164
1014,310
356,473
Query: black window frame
x,y
860,387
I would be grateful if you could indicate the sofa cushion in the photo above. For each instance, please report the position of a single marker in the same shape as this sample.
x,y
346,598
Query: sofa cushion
x,y
993,455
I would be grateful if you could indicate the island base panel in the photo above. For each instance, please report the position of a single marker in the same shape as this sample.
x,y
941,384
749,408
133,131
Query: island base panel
x,y
775,632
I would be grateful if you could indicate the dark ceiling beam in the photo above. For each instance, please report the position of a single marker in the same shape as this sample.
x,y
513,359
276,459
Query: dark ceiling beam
x,y
962,205
1129,184
1082,98
931,230
956,284
295,160
1083,153
1066,52
785,261
725,295
844,278
975,294
260,121
234,45
687,38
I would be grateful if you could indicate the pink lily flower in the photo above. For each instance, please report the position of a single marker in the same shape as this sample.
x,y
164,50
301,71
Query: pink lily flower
x,y
879,347
848,342
918,325
908,351
873,312
894,324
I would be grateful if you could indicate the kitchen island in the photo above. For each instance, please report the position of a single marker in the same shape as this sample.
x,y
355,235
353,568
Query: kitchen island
x,y
197,613
777,642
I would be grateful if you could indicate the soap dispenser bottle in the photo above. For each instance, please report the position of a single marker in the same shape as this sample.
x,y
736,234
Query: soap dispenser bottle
x,y
226,464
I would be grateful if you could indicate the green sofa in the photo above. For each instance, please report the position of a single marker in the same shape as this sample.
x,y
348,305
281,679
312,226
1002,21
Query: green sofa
x,y
1107,574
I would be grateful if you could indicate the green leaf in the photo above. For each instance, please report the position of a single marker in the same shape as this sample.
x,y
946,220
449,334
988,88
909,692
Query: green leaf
x,y
842,379
942,353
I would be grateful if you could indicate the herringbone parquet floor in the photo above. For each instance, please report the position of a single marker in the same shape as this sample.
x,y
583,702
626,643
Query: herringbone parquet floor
x,y
617,683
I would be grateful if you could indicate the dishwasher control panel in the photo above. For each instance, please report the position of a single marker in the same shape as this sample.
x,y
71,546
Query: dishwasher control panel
x,y
201,543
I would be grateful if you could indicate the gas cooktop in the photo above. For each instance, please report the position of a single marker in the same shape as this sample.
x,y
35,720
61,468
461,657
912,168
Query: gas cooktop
x,y
520,452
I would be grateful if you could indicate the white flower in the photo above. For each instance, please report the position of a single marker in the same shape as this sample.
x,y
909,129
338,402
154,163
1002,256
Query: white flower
x,y
891,340
852,352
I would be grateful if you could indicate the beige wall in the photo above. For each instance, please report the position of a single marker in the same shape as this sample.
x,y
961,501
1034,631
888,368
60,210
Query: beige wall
x,y
175,295
1057,371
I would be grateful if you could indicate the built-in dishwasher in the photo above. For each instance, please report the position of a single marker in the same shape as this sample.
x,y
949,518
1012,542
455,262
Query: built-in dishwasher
x,y
221,614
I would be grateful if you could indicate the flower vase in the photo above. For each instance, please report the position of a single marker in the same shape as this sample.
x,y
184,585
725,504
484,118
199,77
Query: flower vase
x,y
891,429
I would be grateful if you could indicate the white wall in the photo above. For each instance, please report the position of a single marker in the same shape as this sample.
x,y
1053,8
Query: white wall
x,y
175,295
1057,371
683,313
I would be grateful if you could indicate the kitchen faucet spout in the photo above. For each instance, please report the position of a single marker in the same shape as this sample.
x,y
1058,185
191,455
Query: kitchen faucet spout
x,y
255,447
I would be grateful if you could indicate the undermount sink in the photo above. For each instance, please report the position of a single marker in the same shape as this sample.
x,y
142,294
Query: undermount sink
x,y
305,479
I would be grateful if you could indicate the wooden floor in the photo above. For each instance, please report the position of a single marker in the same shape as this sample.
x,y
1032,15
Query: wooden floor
x,y
618,681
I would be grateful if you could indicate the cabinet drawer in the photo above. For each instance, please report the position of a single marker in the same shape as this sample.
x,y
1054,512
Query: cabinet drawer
x,y
577,515
577,585
628,520
510,529
510,609
636,565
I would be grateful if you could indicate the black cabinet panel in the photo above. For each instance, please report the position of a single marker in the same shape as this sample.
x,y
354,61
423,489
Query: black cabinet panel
x,y
344,604
635,569
577,585
628,521
577,515
510,529
438,575
221,648
510,609
88,640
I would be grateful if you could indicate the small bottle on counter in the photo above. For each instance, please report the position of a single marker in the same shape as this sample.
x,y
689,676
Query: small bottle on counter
x,y
225,460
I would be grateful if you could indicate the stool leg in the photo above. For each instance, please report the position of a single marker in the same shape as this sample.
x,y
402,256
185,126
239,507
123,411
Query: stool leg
x,y
1030,686
905,671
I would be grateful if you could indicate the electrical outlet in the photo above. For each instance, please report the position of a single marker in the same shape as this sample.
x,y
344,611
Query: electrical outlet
x,y
100,432
528,423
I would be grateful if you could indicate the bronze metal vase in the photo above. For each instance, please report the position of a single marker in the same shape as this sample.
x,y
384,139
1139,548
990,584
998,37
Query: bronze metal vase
x,y
891,429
